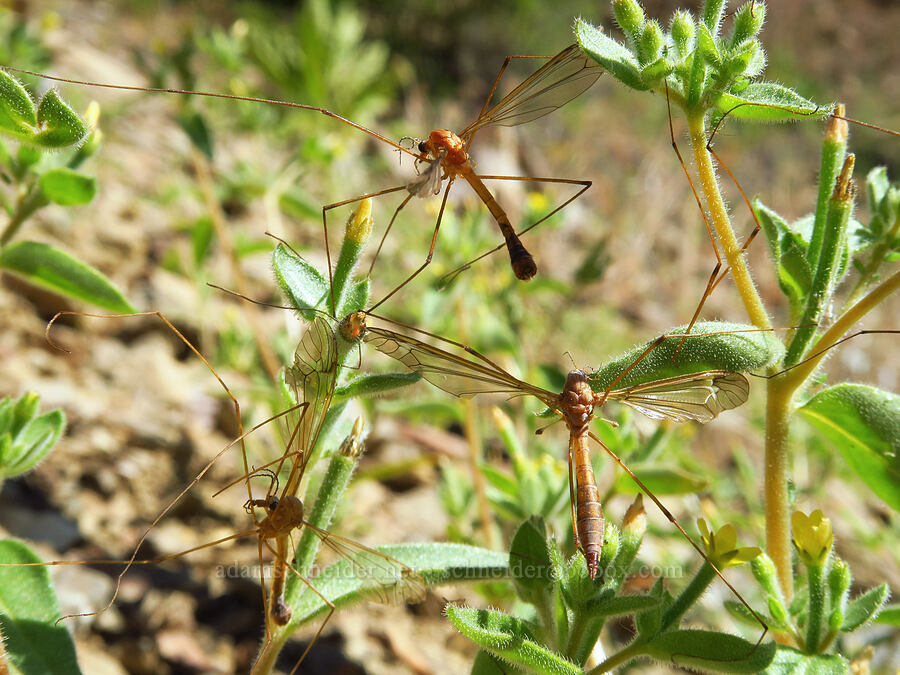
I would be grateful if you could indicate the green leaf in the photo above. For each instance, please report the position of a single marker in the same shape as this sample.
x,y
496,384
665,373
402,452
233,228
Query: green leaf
x,y
529,560
622,605
508,638
194,125
890,615
789,661
435,562
58,125
25,437
661,481
612,55
710,651
18,115
34,642
375,385
56,270
67,187
865,607
864,423
302,284
485,664
768,102
713,345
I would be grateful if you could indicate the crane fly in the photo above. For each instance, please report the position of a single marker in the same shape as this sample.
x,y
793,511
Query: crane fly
x,y
563,78
697,396
380,577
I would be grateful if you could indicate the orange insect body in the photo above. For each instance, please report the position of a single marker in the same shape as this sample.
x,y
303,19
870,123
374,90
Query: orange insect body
x,y
451,144
577,402
449,150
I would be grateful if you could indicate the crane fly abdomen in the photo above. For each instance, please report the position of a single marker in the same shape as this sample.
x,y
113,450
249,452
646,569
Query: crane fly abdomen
x,y
577,404
588,512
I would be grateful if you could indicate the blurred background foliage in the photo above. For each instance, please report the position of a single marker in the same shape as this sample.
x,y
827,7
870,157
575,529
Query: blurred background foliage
x,y
189,187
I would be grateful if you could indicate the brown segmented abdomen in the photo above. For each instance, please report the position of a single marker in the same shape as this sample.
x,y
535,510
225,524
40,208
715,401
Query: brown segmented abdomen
x,y
588,512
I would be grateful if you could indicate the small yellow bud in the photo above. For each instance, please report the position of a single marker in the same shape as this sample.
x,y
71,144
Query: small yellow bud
x,y
92,114
359,224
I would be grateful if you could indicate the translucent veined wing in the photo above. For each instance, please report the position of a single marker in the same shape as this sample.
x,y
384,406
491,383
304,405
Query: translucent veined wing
x,y
312,377
382,578
697,396
564,77
453,374
427,183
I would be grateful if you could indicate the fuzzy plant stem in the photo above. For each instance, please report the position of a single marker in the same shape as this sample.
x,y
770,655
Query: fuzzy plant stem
x,y
722,224
779,409
688,597
816,584
24,210
832,245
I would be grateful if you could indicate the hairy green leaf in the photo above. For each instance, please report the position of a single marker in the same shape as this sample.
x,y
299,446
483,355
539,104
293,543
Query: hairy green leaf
x,y
56,270
34,642
864,423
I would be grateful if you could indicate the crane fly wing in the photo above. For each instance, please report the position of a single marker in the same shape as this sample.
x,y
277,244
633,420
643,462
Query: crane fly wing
x,y
428,183
697,396
453,374
564,77
312,377
383,579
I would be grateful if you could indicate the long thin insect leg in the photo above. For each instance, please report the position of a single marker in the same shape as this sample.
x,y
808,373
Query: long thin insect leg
x,y
437,226
328,602
387,231
487,101
711,283
328,207
678,526
237,412
208,94
585,184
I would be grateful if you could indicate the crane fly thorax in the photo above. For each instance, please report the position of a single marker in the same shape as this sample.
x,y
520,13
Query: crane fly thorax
x,y
445,142
577,401
353,326
285,515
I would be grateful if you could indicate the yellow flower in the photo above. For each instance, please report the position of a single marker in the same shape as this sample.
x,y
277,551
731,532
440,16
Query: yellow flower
x,y
812,536
721,546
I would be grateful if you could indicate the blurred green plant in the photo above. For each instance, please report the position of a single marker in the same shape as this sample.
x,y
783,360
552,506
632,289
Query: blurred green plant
x,y
36,177
25,436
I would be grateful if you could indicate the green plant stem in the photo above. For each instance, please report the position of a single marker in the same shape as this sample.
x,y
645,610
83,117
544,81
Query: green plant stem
x,y
686,599
721,223
832,244
632,651
33,201
834,149
816,580
797,376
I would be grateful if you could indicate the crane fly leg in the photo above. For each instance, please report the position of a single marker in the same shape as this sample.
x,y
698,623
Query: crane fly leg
x,y
437,227
585,184
345,202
